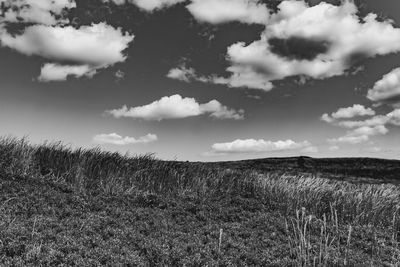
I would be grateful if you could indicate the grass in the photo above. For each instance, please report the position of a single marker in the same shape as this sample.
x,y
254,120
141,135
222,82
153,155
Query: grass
x,y
60,206
369,169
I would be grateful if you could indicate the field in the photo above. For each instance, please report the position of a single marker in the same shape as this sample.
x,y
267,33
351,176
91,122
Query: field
x,y
64,207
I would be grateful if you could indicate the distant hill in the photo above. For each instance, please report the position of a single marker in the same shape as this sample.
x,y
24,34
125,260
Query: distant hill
x,y
380,169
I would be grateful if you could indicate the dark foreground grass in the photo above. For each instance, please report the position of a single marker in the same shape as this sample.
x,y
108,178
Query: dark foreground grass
x,y
90,208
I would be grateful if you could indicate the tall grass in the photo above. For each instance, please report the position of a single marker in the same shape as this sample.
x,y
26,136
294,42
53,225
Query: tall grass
x,y
15,156
97,171
310,248
351,203
317,209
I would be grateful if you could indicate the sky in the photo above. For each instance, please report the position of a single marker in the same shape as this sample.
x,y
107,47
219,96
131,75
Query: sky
x,y
204,80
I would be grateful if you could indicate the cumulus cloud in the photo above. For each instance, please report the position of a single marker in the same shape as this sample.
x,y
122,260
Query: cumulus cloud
x,y
89,47
98,44
148,5
354,111
361,130
349,112
176,107
369,130
36,11
319,42
394,117
116,139
257,146
44,32
387,89
360,135
222,11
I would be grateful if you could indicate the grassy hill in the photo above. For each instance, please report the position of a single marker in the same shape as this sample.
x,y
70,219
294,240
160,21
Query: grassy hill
x,y
365,169
63,207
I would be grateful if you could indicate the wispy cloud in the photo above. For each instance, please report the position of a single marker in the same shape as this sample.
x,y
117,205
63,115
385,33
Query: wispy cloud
x,y
182,73
260,145
116,139
57,72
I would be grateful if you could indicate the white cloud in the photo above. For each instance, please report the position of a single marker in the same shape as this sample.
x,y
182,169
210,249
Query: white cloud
x,y
248,80
175,107
369,130
360,134
325,117
361,131
242,80
330,37
348,113
36,11
394,117
374,121
354,111
244,76
256,146
386,89
222,11
188,75
89,47
56,72
98,44
182,74
349,139
116,139
148,5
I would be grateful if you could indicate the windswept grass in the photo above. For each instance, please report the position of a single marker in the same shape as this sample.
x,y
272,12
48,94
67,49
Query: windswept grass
x,y
320,213
351,203
97,171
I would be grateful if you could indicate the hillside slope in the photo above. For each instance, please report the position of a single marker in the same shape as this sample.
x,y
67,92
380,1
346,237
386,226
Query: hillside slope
x,y
63,207
48,224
